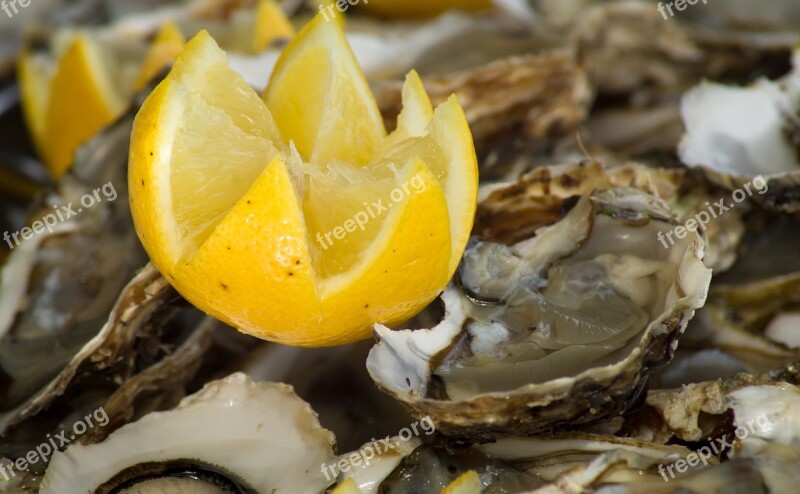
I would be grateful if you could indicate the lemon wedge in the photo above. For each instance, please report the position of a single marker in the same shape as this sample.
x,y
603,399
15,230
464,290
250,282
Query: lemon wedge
x,y
66,99
66,104
293,216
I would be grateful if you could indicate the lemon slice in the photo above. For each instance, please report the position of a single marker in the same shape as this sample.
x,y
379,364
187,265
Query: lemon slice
x,y
421,8
302,228
65,105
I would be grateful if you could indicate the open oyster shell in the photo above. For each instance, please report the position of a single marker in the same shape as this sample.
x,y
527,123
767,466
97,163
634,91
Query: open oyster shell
x,y
746,137
233,434
563,328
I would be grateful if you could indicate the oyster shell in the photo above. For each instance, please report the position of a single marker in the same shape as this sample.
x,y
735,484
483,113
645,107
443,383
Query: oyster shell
x,y
628,47
59,288
79,327
747,322
234,434
512,211
508,465
546,95
745,138
517,353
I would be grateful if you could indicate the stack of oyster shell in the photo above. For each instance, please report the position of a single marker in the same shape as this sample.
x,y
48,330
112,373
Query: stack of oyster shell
x,y
591,340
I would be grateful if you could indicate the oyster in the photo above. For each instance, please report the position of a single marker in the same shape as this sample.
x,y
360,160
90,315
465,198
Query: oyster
x,y
519,352
65,282
746,138
241,437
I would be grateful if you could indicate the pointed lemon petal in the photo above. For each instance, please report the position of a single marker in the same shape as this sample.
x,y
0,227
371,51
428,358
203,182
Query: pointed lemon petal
x,y
321,99
417,112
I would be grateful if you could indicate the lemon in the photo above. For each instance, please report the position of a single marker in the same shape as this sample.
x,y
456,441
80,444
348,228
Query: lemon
x,y
166,47
420,8
65,105
293,216
270,25
67,99
349,486
328,8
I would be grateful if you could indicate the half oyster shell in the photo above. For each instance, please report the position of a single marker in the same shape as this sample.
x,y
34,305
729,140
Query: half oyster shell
x,y
233,434
563,328
746,137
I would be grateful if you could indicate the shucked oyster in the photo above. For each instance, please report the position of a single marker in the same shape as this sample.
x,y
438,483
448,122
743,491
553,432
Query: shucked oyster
x,y
232,436
561,328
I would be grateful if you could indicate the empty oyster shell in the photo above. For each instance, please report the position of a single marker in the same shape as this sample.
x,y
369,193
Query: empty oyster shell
x,y
563,328
233,434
